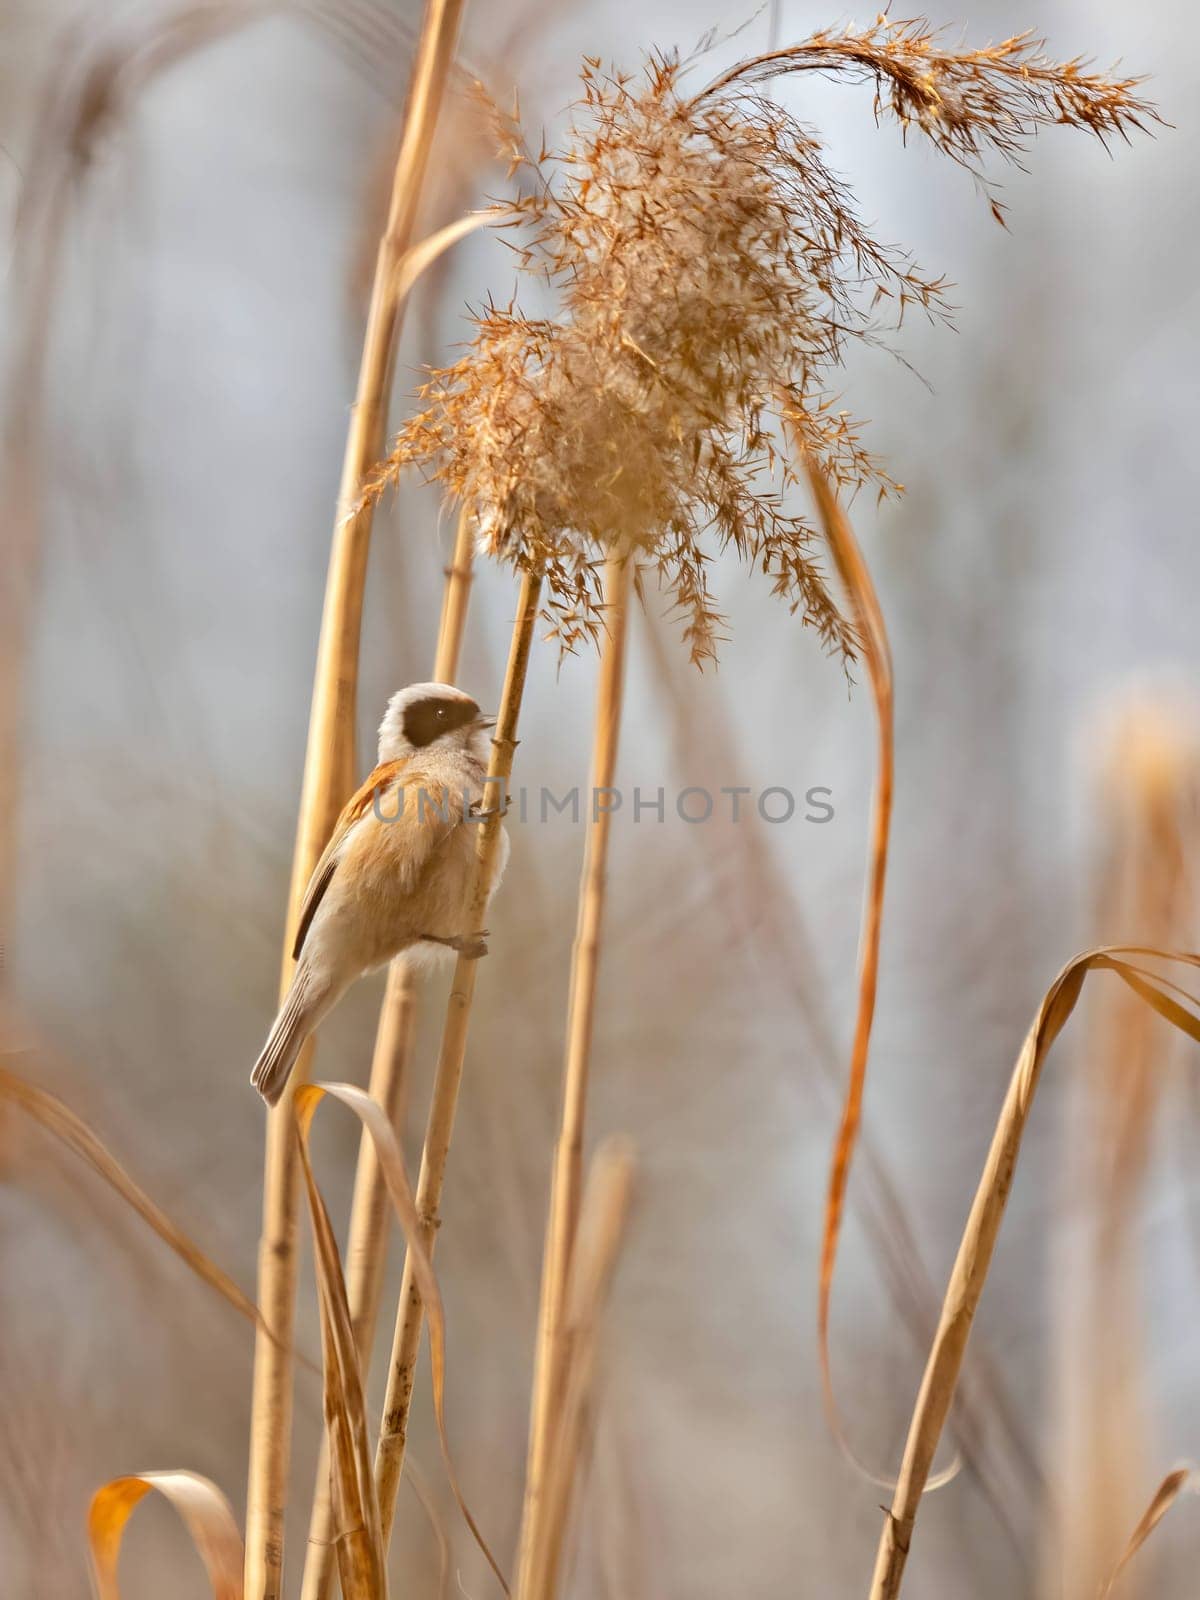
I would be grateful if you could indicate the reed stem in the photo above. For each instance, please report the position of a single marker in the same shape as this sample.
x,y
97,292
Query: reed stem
x,y
371,1207
389,1459
328,778
969,1273
566,1181
593,1260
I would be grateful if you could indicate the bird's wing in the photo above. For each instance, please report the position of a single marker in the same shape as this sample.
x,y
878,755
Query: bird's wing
x,y
352,812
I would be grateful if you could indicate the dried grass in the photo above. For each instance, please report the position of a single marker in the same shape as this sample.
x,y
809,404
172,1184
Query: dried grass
x,y
378,1127
711,273
974,1257
1146,798
868,614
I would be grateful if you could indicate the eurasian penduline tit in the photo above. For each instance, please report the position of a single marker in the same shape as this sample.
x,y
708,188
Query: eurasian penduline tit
x,y
396,873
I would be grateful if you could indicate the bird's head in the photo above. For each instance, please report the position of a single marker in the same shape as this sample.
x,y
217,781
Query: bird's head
x,y
432,716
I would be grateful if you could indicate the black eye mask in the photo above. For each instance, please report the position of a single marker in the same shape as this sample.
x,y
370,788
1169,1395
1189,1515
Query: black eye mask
x,y
426,720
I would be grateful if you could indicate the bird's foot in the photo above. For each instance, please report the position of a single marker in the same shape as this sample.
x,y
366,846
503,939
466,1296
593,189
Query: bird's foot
x,y
478,811
471,946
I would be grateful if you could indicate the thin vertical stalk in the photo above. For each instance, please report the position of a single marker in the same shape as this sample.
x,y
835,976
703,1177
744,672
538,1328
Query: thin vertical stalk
x,y
457,594
585,963
328,778
389,1459
593,1260
370,1209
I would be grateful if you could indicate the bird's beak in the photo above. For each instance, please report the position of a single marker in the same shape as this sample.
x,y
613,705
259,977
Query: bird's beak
x,y
485,722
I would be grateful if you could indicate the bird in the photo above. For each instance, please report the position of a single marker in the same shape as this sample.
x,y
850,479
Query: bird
x,y
396,873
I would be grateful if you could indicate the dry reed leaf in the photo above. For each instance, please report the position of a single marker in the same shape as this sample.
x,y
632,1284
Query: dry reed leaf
x,y
58,1119
422,256
1181,1479
1144,751
978,1243
872,631
204,1510
361,1563
391,1161
768,924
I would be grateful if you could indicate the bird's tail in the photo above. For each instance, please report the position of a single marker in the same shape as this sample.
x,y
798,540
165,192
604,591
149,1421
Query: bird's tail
x,y
304,1006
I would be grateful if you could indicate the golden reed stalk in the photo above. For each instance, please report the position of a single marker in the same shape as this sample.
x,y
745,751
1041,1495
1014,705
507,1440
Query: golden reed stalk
x,y
970,1270
370,1211
328,778
1145,800
563,1221
389,1459
593,1261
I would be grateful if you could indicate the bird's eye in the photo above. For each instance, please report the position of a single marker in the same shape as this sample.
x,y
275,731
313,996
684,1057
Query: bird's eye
x,y
441,711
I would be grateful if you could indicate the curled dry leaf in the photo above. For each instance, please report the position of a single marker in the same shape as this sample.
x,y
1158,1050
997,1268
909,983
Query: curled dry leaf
x,y
391,1161
975,1252
205,1511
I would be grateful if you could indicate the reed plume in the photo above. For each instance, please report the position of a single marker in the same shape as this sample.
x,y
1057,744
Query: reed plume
x,y
711,271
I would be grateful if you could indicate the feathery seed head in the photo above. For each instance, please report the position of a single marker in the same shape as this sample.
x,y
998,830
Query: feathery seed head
x,y
709,269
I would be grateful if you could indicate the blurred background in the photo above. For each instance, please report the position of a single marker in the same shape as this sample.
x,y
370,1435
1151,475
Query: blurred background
x,y
191,196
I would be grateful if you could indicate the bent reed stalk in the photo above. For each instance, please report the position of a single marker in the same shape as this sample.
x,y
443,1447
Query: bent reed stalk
x,y
389,1458
970,1270
566,1182
370,1211
328,778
